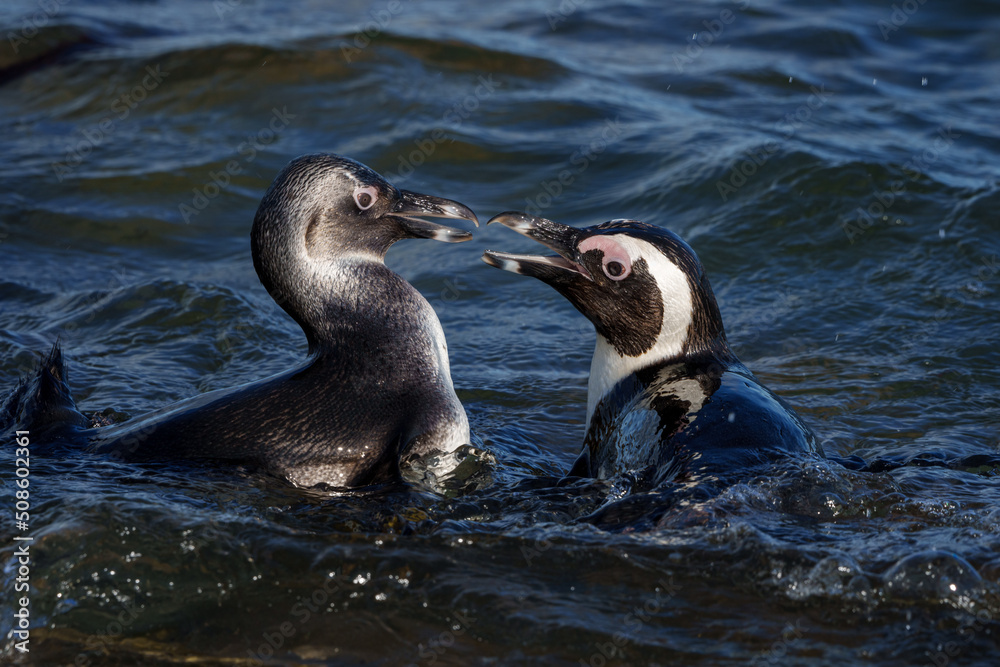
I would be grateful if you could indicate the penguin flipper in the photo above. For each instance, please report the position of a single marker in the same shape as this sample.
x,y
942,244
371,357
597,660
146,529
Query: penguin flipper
x,y
42,401
582,466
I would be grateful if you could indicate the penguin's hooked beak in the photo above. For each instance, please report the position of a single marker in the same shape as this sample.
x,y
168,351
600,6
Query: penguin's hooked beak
x,y
413,207
550,269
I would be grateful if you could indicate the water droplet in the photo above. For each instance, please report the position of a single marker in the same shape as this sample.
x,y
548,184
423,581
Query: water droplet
x,y
941,232
874,81
923,81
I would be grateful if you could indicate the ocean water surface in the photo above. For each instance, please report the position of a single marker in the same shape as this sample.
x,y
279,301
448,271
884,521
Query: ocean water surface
x,y
834,165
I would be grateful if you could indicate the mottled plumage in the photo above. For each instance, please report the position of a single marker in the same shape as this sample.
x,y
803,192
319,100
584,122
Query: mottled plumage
x,y
376,385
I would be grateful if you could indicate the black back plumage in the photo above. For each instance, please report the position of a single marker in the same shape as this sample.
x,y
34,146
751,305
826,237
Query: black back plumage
x,y
739,423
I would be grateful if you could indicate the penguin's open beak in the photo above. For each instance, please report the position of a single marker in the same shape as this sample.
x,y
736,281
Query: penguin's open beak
x,y
413,207
560,238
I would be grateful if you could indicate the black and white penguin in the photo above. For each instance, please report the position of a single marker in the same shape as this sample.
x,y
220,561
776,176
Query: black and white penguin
x,y
668,401
376,385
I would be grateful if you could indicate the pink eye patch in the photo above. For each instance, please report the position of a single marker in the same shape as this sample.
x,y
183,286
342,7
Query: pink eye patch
x,y
616,261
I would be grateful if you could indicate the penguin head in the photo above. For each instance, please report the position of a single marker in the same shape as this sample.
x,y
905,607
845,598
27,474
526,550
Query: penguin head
x,y
641,286
324,212
324,206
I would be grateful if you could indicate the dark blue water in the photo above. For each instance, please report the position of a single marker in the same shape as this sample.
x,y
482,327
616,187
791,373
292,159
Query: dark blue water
x,y
835,167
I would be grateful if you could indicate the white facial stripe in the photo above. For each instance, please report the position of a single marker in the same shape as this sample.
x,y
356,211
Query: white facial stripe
x,y
348,174
608,366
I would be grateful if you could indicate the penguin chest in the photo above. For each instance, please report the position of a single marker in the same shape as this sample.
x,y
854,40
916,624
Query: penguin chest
x,y
630,444
632,428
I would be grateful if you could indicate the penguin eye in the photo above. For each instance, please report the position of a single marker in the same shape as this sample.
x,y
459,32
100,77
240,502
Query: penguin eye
x,y
364,197
617,268
615,260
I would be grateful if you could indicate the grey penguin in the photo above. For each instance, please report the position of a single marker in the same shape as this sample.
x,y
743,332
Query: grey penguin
x,y
667,399
376,385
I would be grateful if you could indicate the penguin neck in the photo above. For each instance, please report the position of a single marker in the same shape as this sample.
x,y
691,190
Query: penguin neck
x,y
609,366
607,369
359,301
